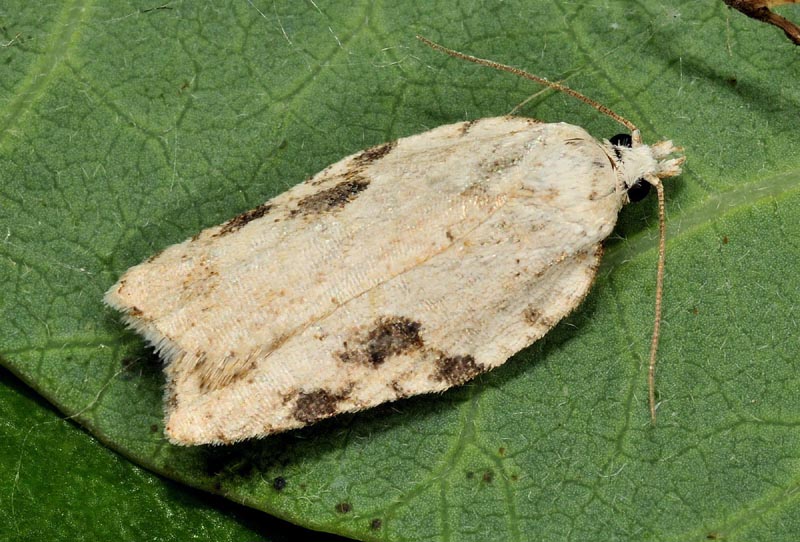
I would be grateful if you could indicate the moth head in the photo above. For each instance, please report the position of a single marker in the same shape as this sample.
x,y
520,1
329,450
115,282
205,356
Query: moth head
x,y
641,166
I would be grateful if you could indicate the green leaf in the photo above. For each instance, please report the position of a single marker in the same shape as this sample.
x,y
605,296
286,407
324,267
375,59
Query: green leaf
x,y
57,483
128,126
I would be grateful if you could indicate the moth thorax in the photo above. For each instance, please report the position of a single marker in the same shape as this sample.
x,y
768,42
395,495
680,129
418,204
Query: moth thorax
x,y
635,164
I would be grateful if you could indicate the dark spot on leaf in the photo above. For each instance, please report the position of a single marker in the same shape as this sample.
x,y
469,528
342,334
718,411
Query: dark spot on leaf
x,y
375,524
488,476
389,336
456,369
470,475
374,153
724,239
316,405
501,451
238,222
343,507
153,428
279,483
333,198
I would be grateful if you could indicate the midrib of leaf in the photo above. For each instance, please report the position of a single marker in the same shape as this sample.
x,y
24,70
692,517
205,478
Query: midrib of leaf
x,y
707,211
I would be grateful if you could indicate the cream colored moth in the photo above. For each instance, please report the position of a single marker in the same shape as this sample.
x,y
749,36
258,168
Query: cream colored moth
x,y
403,269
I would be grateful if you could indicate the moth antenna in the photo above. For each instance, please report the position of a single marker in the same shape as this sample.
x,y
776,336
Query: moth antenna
x,y
521,73
662,251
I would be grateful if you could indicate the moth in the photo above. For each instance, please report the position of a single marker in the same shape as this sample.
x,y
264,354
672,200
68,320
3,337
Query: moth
x,y
406,268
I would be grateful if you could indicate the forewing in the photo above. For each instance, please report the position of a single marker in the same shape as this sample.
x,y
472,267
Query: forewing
x,y
404,269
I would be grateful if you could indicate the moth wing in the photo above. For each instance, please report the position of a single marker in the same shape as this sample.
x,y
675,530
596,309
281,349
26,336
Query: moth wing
x,y
404,269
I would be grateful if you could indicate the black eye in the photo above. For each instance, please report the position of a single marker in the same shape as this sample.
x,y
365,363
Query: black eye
x,y
622,140
638,190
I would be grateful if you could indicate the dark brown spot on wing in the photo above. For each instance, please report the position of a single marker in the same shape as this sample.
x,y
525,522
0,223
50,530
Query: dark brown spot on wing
x,y
316,405
388,336
374,153
465,127
171,399
532,315
332,198
152,258
457,369
238,222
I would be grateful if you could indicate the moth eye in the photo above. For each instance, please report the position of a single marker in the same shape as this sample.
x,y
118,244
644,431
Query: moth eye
x,y
622,140
638,190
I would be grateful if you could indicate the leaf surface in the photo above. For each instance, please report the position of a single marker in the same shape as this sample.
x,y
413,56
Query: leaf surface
x,y
126,127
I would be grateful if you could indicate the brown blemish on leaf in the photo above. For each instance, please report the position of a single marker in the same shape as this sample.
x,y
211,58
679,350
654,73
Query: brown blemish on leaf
x,y
375,524
333,198
759,10
374,153
316,405
488,476
344,507
388,336
456,369
238,222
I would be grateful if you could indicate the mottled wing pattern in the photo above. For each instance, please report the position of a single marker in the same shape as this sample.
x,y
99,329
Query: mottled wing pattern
x,y
404,269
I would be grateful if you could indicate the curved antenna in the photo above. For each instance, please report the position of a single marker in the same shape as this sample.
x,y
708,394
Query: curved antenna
x,y
637,139
662,251
521,73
